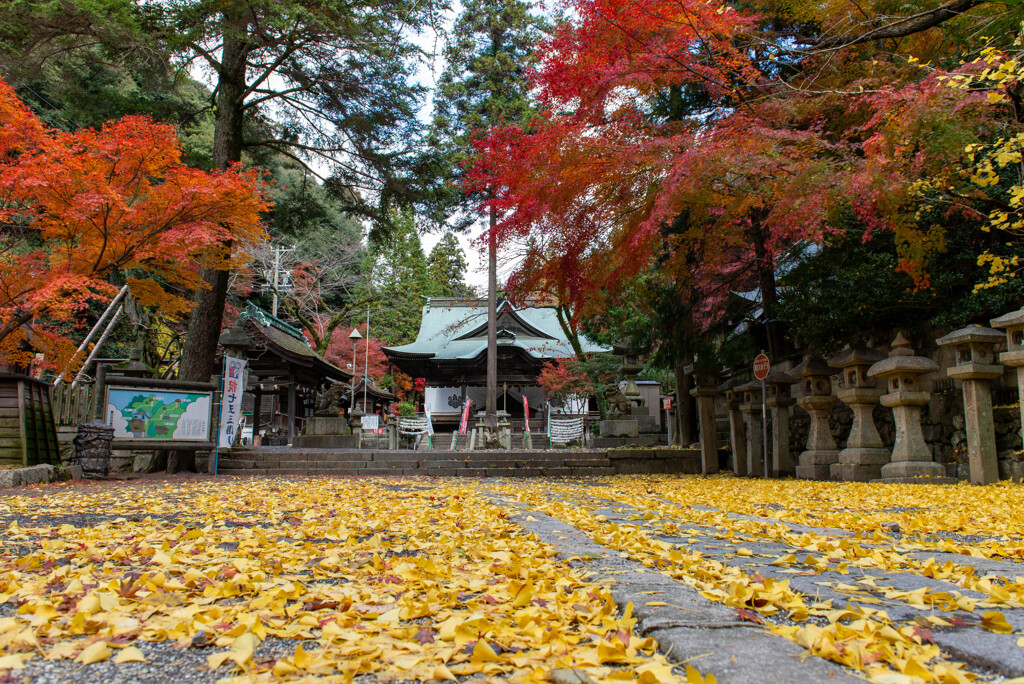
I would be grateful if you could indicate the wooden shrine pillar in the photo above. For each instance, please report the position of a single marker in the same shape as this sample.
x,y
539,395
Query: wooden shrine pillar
x,y
257,409
291,407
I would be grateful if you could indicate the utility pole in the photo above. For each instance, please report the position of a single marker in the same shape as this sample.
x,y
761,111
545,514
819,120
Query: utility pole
x,y
278,251
490,412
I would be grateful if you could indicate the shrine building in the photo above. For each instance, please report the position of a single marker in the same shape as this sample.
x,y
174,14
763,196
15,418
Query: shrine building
x,y
450,353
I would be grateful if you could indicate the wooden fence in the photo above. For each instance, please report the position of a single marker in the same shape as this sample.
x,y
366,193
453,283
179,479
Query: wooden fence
x,y
73,406
27,432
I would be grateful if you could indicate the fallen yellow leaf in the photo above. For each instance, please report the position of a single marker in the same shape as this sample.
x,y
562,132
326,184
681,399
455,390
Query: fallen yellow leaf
x,y
94,653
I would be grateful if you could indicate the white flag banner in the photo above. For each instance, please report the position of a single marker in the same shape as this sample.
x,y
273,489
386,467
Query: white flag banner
x,y
430,421
230,401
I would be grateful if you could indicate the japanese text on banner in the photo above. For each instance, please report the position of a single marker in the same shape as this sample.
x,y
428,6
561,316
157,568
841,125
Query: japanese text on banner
x,y
231,401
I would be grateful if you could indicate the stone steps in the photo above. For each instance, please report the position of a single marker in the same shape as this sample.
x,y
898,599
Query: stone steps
x,y
510,463
429,472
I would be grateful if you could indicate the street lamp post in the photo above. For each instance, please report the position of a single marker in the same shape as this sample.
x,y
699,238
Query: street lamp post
x,y
355,337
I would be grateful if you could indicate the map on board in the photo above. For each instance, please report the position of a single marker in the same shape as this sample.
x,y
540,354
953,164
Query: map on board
x,y
155,414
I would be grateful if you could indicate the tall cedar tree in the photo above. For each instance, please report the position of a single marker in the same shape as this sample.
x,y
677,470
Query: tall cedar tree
x,y
337,73
484,86
447,267
399,281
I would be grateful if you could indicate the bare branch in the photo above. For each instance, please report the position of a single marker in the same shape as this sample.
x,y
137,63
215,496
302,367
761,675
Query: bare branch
x,y
899,28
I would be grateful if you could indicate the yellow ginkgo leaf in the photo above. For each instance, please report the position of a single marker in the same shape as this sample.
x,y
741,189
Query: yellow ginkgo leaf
x,y
994,621
483,653
655,673
130,655
15,661
695,677
442,673
94,653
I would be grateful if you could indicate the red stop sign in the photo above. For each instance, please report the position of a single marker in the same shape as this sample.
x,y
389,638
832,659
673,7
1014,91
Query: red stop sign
x,y
761,366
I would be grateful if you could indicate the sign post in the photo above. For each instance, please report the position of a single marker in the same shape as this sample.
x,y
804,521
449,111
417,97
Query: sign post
x,y
762,366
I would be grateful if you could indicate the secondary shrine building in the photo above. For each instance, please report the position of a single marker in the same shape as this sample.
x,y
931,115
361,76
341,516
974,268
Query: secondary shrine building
x,y
450,353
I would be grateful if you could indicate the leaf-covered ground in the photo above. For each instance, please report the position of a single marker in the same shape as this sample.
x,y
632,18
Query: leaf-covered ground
x,y
416,579
343,577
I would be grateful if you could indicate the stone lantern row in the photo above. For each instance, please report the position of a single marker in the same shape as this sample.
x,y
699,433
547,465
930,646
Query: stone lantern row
x,y
866,378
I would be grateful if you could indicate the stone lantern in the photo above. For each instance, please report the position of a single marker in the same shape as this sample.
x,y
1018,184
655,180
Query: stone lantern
x,y
705,392
629,368
1013,324
865,454
816,461
779,401
911,457
974,347
733,399
750,407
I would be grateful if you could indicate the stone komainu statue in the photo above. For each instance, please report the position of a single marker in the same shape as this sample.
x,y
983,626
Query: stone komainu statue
x,y
328,404
618,403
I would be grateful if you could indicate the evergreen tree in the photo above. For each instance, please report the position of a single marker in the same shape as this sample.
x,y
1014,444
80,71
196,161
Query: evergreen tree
x,y
483,87
398,282
447,267
334,77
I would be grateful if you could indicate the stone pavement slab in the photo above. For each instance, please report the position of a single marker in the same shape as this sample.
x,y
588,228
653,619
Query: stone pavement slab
x,y
986,651
689,628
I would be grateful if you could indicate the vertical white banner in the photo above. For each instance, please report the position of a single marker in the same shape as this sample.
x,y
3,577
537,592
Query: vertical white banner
x,y
230,401
430,420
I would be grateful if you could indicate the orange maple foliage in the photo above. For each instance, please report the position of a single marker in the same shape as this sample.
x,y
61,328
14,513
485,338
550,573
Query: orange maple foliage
x,y
76,208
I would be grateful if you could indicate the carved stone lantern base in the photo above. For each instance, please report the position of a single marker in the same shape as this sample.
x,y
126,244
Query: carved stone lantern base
x,y
860,464
815,462
816,465
909,472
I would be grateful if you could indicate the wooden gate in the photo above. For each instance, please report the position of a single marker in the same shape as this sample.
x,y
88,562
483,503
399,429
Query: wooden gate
x,y
28,433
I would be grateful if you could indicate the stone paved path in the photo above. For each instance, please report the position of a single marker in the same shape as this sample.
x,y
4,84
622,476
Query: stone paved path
x,y
738,587
721,638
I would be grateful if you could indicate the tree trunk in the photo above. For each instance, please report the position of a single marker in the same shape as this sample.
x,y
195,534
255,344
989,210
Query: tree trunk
x,y
492,319
562,314
769,291
200,350
199,353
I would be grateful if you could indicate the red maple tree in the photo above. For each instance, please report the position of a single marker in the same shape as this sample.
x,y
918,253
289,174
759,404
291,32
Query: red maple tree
x,y
79,207
610,179
339,352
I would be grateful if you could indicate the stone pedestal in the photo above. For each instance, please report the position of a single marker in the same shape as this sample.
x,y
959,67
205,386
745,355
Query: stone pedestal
x,y
646,423
737,432
779,401
1013,324
974,348
705,392
751,410
911,458
816,461
619,428
326,432
865,454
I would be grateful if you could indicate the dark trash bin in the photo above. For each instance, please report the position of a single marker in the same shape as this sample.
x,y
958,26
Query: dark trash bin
x,y
92,448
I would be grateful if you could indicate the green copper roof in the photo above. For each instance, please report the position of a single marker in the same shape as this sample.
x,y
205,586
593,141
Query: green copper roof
x,y
265,318
457,329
